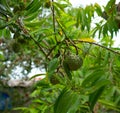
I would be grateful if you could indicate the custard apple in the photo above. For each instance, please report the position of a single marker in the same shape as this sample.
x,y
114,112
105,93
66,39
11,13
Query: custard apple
x,y
73,62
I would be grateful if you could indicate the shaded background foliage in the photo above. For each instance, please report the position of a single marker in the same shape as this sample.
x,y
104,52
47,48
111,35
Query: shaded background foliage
x,y
41,33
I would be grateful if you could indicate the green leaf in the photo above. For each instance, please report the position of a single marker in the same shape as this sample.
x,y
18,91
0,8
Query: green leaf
x,y
98,9
42,31
106,57
60,6
105,29
67,70
92,77
32,16
1,57
95,96
52,66
67,102
42,83
82,18
4,10
6,33
32,4
6,24
34,24
70,23
5,3
78,18
33,7
110,5
37,75
21,108
96,86
33,110
109,104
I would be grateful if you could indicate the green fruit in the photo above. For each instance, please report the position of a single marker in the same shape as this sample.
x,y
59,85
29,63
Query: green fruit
x,y
21,40
74,62
54,80
16,9
47,4
16,46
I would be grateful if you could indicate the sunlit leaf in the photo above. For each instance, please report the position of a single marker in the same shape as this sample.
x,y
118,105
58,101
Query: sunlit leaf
x,y
87,39
31,16
38,75
71,23
34,24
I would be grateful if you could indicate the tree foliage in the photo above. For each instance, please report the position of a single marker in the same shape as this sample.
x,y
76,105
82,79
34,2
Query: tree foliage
x,y
43,33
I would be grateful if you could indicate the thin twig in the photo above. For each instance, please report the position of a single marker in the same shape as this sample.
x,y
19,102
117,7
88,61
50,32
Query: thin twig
x,y
72,42
109,49
66,37
62,29
86,41
57,41
53,14
38,45
51,51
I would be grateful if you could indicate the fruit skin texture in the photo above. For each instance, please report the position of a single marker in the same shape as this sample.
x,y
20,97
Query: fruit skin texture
x,y
74,62
16,47
47,4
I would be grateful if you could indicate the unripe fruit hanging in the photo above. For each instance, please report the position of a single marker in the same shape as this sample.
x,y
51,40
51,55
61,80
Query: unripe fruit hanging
x,y
48,4
74,62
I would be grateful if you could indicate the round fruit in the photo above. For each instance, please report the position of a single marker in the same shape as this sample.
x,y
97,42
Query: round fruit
x,y
74,62
47,4
54,80
16,47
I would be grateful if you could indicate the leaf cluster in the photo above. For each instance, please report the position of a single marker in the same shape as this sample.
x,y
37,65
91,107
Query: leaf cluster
x,y
40,33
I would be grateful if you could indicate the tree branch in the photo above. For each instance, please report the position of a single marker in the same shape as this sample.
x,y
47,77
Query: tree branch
x,y
109,49
25,31
53,15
